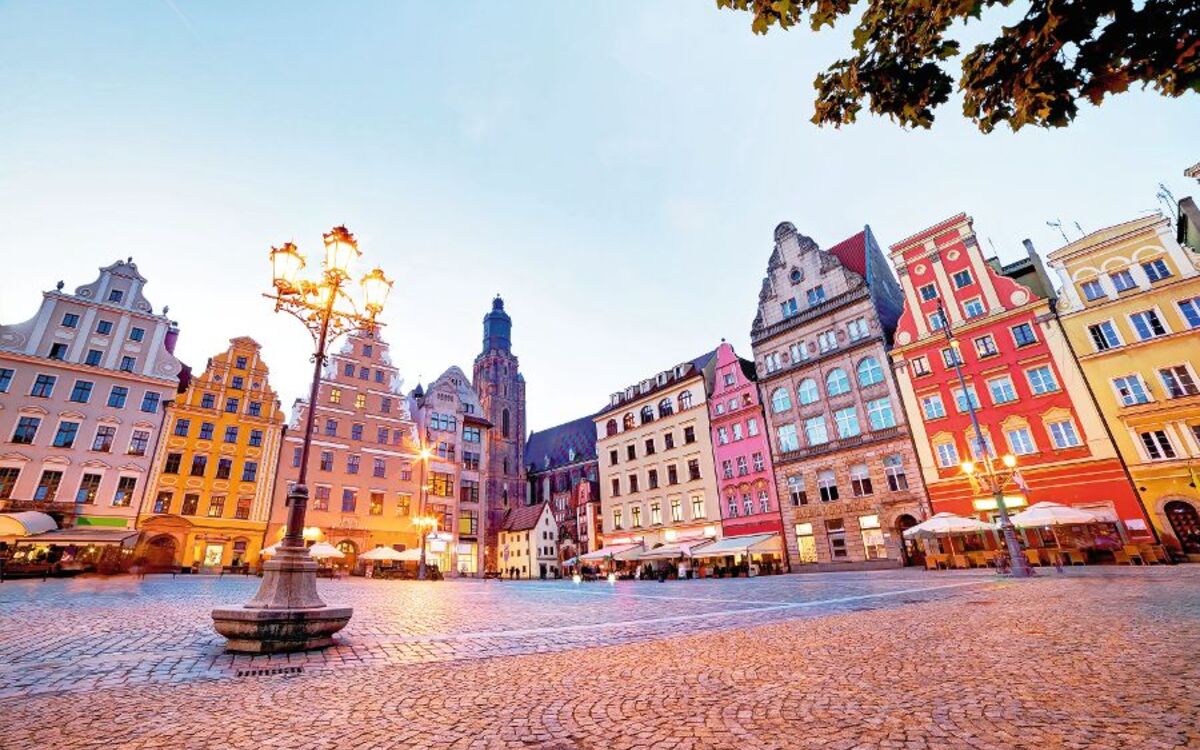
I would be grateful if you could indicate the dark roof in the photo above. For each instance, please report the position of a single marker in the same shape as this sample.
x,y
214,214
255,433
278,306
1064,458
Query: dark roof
x,y
557,442
522,517
852,252
701,362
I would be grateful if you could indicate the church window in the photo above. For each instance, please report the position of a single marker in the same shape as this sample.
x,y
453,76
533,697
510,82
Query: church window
x,y
504,428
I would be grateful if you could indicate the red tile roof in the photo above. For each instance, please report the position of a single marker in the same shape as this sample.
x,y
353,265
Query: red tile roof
x,y
522,517
852,252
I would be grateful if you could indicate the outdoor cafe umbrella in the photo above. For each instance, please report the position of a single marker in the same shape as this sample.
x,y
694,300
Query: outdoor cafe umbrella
x,y
947,523
322,550
1052,514
382,553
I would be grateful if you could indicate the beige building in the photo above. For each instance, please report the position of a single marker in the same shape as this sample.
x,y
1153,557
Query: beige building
x,y
528,542
657,479
82,389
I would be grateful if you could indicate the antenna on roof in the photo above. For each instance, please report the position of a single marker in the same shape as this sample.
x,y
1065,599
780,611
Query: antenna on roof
x,y
1057,224
992,245
1166,197
1081,232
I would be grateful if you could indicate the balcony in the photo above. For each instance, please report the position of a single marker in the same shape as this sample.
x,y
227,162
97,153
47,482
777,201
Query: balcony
x,y
841,444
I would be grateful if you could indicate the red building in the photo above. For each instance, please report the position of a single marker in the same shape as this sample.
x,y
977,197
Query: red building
x,y
1029,392
742,449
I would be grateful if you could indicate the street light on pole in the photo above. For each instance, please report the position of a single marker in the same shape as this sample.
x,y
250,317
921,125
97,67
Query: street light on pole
x,y
993,478
422,521
287,614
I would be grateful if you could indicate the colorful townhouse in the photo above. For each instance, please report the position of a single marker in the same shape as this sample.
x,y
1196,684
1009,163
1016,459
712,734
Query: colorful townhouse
x,y
209,493
657,481
844,464
364,475
450,419
749,503
82,389
563,471
1021,375
1130,306
528,543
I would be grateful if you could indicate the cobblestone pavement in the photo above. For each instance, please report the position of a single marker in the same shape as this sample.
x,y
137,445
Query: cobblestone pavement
x,y
1104,658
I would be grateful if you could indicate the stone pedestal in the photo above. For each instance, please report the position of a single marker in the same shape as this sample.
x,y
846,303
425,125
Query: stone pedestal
x,y
286,614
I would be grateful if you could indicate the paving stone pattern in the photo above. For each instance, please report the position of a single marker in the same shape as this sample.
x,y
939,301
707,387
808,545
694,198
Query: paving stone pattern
x,y
1104,658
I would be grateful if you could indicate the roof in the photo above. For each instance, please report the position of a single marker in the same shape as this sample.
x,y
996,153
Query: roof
x,y
699,363
83,535
522,517
852,252
556,443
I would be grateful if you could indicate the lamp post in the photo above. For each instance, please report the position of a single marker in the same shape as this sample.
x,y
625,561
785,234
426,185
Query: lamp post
x,y
287,614
425,526
422,520
993,478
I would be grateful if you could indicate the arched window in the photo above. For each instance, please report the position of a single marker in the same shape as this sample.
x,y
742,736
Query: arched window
x,y
837,382
504,426
506,466
807,391
647,414
685,400
665,408
627,421
869,372
611,428
781,400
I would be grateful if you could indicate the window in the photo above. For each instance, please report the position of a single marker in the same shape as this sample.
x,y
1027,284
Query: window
x,y
139,443
127,364
685,400
6,376
1092,290
672,474
655,514
208,401
331,426
58,351
932,406
65,437
224,468
1190,308
1104,336
950,357
240,363
116,295
771,362
617,518
199,464
920,366
929,292
837,382
375,508
137,334
880,414
70,320
250,471
191,503
649,446
698,510
869,372
635,516
631,452
827,485
349,499
1131,390
352,463
647,414
255,440
872,537
985,346
689,435
326,461
1147,325
788,307
947,454
242,511
613,457
182,426
162,503
1156,270
356,432
206,430
104,327
403,504
937,321
693,465
117,396
788,441
816,295
26,430
633,483
321,498
980,449
676,510
796,492
814,431
857,329
893,469
1019,441
1158,445
1041,380
1023,335
254,408
752,426
961,399
93,358
737,431
780,400
364,373
443,484
379,468
1063,434
104,438
216,506
231,405
1178,381
1002,390
124,494
1122,280
8,480
826,341
757,458
616,487
962,278
43,386
468,491
973,307
742,468
847,422
860,481
231,434
47,488
171,465
807,392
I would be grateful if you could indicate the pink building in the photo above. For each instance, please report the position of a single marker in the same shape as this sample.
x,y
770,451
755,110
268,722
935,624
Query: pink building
x,y
746,487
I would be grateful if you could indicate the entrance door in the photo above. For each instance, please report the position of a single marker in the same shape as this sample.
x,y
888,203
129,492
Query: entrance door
x,y
161,552
1185,522
914,553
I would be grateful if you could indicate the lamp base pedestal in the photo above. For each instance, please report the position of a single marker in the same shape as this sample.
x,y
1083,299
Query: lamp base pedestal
x,y
286,614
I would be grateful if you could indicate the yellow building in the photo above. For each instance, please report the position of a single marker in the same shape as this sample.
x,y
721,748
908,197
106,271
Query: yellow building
x,y
209,494
1131,308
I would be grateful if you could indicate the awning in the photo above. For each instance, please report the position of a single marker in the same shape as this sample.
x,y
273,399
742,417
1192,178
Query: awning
x,y
25,522
616,552
673,551
85,535
741,545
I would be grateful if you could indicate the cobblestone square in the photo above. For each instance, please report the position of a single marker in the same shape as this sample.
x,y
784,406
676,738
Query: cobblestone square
x,y
904,659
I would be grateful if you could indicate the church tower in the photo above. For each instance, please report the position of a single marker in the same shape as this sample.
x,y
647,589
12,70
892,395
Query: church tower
x,y
502,394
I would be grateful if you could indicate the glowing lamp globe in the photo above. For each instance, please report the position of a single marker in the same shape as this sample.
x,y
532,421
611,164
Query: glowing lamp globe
x,y
340,251
1009,460
968,467
376,288
286,265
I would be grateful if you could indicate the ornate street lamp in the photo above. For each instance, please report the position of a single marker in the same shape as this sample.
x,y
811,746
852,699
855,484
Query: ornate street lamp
x,y
287,614
993,479
426,525
421,521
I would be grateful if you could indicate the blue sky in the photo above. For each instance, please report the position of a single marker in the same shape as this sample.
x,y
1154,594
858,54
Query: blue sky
x,y
614,169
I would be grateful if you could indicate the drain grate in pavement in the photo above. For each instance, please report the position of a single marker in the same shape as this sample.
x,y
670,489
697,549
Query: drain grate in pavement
x,y
269,672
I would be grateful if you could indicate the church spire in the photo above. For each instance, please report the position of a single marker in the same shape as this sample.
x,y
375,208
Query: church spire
x,y
497,328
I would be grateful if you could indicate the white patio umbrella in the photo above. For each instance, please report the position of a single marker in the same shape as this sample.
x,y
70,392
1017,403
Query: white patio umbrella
x,y
272,549
322,550
382,553
1052,514
947,523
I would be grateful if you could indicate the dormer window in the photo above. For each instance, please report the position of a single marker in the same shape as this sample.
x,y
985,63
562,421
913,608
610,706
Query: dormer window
x,y
796,276
115,295
789,307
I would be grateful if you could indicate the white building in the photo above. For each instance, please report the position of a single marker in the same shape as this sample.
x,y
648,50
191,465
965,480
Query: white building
x,y
528,542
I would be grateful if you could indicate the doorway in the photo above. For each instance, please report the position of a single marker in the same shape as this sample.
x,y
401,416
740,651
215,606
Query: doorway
x,y
910,549
1185,522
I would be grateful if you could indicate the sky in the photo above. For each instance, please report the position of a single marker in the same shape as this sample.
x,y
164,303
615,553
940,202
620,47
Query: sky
x,y
615,170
